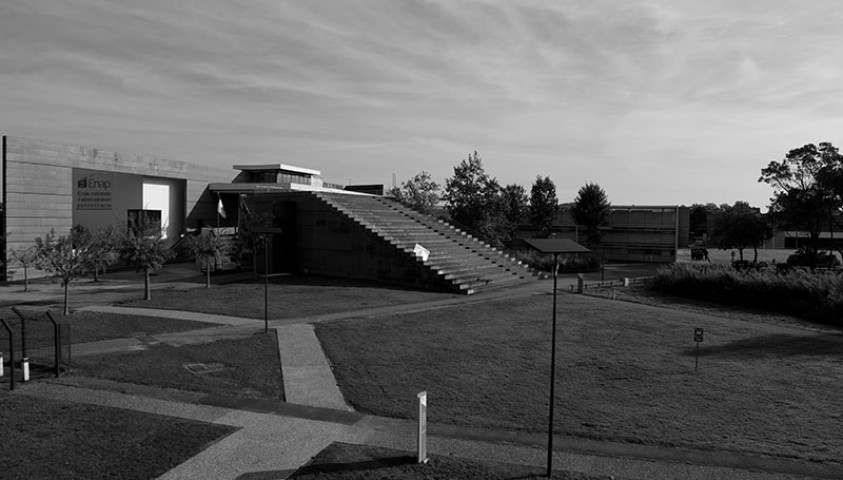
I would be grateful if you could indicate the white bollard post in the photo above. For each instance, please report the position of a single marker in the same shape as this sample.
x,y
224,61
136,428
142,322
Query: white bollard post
x,y
25,365
422,440
1,364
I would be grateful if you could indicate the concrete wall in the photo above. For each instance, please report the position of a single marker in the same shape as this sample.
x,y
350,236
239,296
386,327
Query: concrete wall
x,y
329,243
38,184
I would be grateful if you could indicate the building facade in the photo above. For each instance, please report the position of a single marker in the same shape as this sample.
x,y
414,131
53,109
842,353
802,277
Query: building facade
x,y
48,186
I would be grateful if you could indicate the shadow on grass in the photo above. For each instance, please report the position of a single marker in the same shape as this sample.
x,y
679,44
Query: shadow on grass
x,y
778,345
357,466
320,281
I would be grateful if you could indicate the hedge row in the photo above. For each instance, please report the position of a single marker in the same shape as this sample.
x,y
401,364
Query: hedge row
x,y
816,296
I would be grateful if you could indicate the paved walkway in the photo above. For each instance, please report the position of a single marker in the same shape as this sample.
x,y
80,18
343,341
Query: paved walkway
x,y
275,438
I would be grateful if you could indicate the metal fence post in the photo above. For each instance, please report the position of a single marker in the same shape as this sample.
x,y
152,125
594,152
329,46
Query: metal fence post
x,y
56,340
11,354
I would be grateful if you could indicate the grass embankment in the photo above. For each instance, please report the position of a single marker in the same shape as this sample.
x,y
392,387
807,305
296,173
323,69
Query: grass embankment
x,y
289,297
341,461
50,439
625,373
246,367
816,296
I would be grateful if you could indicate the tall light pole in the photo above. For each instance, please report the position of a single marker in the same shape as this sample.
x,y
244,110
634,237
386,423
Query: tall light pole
x,y
554,246
267,234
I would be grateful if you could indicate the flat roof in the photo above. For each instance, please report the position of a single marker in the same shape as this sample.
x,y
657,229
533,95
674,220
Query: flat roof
x,y
276,167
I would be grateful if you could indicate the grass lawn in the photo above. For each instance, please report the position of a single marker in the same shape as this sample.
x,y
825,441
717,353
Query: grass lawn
x,y
625,372
246,367
51,439
289,297
342,461
90,326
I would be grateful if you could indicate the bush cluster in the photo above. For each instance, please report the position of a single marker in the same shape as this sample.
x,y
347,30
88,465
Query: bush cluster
x,y
814,295
802,258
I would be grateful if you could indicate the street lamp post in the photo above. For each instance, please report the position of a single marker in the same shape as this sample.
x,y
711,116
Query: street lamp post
x,y
554,246
552,374
267,234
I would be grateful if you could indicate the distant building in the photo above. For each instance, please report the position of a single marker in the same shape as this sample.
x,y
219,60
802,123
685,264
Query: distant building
x,y
636,233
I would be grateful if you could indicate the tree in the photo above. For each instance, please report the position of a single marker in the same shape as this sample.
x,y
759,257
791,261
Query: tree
x,y
144,247
25,257
591,209
251,241
543,205
740,226
467,191
63,257
102,251
699,217
206,248
515,204
804,196
420,193
474,200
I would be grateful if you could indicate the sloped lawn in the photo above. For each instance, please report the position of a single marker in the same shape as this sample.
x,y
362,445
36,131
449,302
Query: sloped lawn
x,y
625,372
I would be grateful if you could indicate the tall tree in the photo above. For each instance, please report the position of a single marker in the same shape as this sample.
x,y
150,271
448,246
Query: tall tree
x,y
474,200
145,249
804,195
514,204
62,256
740,226
592,209
700,216
420,193
467,191
543,205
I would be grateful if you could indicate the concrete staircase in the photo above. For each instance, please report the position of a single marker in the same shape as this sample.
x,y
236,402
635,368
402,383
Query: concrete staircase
x,y
466,264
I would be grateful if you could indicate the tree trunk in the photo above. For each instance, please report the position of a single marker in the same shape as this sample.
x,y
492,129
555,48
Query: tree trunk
x,y
755,257
66,310
147,293
208,274
96,274
740,254
25,280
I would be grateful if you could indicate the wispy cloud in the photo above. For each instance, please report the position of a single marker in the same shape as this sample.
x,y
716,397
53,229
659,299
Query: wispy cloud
x,y
653,99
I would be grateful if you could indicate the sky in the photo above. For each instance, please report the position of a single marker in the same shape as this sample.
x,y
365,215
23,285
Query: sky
x,y
659,102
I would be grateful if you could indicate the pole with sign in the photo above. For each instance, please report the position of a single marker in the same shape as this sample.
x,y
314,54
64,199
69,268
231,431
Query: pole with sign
x,y
698,337
422,440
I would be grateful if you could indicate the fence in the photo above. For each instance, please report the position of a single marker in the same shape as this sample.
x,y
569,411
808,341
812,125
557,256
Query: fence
x,y
40,339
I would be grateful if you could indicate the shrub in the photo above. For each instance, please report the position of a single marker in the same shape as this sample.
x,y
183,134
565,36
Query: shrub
x,y
816,296
802,258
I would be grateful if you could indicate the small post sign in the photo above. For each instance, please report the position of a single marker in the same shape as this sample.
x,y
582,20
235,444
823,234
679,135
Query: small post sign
x,y
422,440
698,337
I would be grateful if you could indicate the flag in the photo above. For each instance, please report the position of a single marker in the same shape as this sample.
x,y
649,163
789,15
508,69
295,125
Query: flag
x,y
220,210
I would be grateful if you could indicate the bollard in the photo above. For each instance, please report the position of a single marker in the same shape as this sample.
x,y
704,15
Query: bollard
x,y
580,283
1,364
25,365
421,456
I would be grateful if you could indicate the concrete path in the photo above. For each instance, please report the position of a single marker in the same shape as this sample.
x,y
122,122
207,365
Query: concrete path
x,y
175,314
308,379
